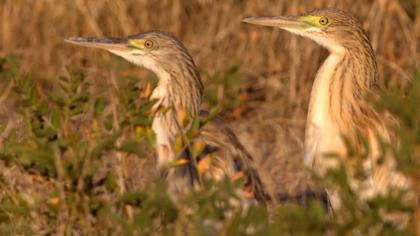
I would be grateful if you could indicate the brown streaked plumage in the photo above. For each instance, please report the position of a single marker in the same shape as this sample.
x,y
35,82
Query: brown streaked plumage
x,y
338,103
180,89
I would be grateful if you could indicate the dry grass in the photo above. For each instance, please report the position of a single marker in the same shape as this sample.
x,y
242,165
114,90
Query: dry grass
x,y
278,68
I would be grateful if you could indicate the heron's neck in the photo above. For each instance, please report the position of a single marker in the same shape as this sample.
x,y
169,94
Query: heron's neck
x,y
340,87
175,93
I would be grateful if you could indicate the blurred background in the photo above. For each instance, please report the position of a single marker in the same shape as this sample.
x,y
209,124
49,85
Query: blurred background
x,y
261,77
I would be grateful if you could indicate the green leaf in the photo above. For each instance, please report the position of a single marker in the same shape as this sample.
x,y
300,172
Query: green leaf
x,y
55,118
132,147
99,106
111,182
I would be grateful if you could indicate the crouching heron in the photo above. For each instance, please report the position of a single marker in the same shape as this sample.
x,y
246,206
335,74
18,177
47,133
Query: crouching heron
x,y
180,89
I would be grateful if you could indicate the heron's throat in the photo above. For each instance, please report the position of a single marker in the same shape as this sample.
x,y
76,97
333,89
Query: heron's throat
x,y
338,103
175,93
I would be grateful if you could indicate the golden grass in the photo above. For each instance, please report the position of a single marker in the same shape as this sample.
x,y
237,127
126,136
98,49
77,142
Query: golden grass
x,y
278,67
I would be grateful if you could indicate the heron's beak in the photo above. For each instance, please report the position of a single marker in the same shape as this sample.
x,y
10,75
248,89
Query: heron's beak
x,y
110,44
287,23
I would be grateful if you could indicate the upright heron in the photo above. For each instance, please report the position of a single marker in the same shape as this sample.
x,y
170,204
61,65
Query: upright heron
x,y
338,103
180,89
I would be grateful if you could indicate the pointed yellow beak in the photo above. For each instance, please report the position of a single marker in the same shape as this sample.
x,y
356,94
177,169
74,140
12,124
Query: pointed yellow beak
x,y
110,44
291,23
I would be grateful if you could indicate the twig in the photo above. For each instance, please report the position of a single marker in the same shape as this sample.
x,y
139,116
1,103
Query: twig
x,y
120,156
6,92
396,68
6,133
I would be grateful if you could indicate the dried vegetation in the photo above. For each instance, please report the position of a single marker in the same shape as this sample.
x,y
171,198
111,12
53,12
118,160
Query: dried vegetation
x,y
262,78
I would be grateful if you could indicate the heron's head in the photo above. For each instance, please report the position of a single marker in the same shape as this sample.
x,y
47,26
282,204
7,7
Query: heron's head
x,y
154,50
331,28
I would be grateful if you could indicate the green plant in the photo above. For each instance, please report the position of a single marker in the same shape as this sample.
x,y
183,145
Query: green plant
x,y
74,146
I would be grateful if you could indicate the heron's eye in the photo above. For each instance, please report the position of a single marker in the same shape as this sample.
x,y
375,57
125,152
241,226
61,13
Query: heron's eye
x,y
148,44
323,21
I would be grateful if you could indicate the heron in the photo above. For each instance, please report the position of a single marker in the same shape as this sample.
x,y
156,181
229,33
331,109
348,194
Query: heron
x,y
180,90
340,108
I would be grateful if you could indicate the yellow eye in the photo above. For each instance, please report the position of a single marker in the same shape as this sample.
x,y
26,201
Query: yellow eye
x,y
148,44
323,21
